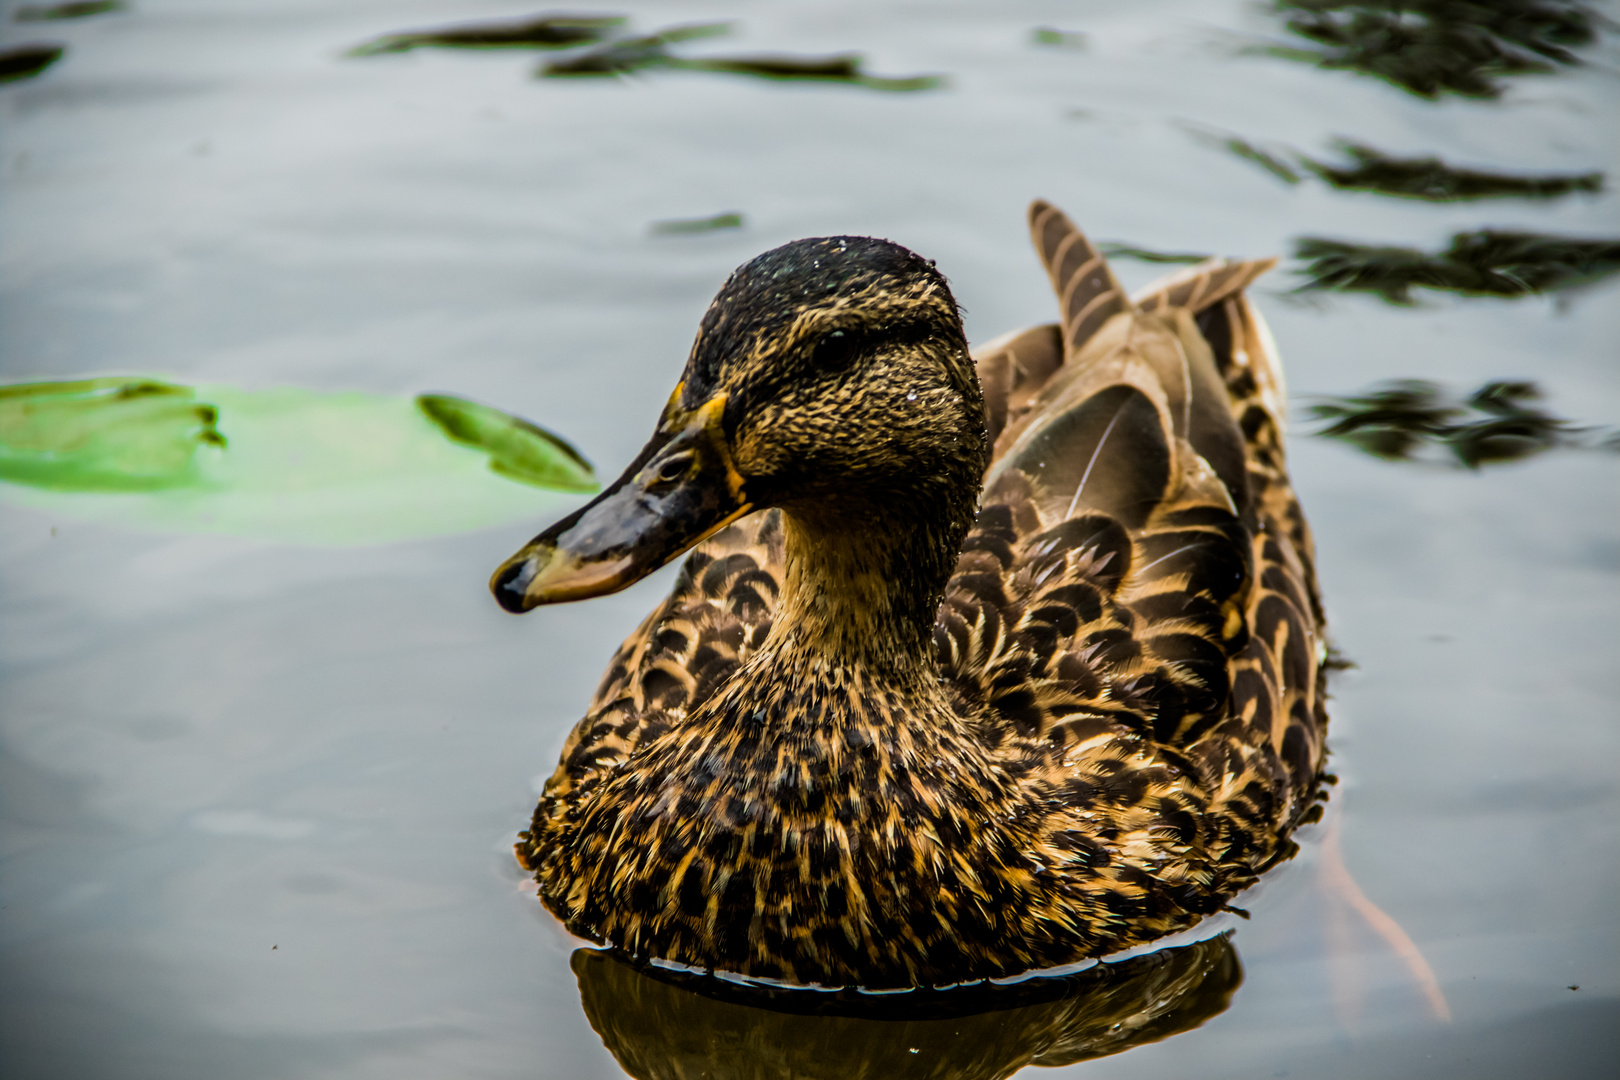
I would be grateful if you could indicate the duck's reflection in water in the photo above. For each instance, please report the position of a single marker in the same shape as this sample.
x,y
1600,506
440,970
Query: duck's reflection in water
x,y
664,1025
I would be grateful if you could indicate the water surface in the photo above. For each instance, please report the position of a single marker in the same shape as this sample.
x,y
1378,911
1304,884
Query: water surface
x,y
258,797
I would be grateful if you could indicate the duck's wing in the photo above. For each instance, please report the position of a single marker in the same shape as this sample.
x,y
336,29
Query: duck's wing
x,y
719,611
1138,589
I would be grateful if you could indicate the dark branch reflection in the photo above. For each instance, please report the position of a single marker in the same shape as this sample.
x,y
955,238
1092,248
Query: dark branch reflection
x,y
664,1025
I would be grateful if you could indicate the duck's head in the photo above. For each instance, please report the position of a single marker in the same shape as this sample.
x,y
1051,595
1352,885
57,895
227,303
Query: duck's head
x,y
831,378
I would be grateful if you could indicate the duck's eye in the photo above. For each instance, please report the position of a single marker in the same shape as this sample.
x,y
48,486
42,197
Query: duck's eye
x,y
672,469
836,349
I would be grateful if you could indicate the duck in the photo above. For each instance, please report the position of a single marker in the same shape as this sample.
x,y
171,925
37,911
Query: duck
x,y
981,662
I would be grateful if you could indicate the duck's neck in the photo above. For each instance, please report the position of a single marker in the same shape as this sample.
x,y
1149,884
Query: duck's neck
x,y
862,586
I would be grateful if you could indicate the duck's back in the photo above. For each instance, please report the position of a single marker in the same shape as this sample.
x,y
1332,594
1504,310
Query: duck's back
x,y
1133,622
1139,586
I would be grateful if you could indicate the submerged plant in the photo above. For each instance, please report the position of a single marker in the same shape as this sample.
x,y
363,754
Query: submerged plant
x,y
1488,262
1498,422
1431,47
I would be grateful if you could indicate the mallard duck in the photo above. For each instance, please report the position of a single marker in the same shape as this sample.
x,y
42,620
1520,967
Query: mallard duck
x,y
977,666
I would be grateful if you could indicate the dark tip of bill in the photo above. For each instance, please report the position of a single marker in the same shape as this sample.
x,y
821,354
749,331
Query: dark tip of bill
x,y
511,586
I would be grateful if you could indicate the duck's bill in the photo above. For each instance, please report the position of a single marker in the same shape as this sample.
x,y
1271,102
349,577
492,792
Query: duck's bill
x,y
681,489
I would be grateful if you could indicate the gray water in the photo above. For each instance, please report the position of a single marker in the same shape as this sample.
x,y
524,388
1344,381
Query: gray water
x,y
258,798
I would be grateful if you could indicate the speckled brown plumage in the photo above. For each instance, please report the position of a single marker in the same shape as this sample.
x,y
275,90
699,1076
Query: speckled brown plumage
x,y
832,757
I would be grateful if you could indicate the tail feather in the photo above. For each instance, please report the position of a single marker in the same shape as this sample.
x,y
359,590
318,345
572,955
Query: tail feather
x,y
1197,287
1088,292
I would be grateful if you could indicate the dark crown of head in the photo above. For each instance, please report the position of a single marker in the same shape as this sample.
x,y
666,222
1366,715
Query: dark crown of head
x,y
765,294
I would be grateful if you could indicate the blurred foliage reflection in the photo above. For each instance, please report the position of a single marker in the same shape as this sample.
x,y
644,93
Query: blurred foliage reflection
x,y
1499,422
1488,262
541,32
1432,47
1432,179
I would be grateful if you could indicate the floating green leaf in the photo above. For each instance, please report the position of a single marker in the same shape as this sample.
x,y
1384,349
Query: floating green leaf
x,y
110,434
542,32
1484,263
299,466
26,61
516,448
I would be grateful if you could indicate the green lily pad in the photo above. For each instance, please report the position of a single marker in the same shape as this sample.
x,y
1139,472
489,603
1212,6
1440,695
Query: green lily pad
x,y
517,448
286,464
110,434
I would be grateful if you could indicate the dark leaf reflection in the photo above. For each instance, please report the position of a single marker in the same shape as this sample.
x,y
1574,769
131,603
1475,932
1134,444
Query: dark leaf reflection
x,y
633,54
663,1025
651,52
81,9
1433,47
1499,422
1427,178
541,32
1273,163
26,61
1488,262
1432,179
1115,250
